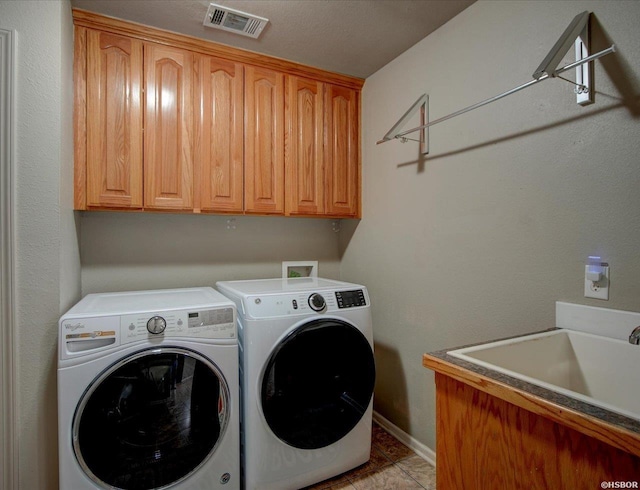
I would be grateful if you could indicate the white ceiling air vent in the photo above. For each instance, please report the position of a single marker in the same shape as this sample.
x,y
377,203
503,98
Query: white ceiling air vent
x,y
231,20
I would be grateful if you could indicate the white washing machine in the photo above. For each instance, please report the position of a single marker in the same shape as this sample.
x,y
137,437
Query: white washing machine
x,y
307,375
148,393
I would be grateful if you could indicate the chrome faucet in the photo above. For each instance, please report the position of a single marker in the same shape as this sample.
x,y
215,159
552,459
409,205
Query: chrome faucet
x,y
634,338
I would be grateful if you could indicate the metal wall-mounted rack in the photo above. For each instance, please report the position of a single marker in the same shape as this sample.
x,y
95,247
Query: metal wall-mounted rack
x,y
577,33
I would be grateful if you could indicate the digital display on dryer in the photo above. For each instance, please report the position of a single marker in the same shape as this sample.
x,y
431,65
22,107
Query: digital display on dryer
x,y
350,299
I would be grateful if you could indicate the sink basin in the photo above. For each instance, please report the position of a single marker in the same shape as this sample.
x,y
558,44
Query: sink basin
x,y
599,370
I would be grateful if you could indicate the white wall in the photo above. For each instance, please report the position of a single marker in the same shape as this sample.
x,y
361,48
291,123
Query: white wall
x,y
479,240
47,265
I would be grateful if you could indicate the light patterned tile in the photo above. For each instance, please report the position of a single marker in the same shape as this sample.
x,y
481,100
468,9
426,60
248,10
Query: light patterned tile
x,y
376,460
330,483
420,470
387,478
342,486
392,466
389,445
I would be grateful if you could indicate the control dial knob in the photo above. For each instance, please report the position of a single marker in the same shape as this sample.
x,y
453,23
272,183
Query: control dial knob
x,y
317,302
156,325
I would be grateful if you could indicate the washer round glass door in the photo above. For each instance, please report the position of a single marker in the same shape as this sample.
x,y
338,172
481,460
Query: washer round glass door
x,y
318,383
151,419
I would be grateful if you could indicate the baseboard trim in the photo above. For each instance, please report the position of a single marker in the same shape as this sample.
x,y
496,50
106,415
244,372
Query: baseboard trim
x,y
420,449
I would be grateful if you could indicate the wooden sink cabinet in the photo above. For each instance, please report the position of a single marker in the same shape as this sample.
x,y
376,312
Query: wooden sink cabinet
x,y
491,435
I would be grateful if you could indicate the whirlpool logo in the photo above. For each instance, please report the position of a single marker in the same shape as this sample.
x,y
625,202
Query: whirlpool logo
x,y
72,327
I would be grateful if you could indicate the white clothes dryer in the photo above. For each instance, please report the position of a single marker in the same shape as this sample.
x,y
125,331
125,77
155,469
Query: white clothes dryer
x,y
148,393
307,375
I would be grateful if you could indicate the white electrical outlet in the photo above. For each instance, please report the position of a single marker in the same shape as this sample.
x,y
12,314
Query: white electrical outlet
x,y
597,289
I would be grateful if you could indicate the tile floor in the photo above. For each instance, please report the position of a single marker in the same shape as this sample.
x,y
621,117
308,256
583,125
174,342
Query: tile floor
x,y
392,466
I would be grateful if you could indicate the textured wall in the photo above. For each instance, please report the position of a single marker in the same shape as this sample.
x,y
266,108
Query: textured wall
x,y
69,222
132,251
480,239
474,243
44,223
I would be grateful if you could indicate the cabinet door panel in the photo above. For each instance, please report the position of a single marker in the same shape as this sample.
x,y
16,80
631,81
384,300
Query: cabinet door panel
x,y
342,157
264,141
220,135
168,134
304,147
114,120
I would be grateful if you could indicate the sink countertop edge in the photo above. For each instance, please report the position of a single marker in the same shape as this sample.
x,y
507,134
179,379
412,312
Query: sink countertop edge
x,y
606,426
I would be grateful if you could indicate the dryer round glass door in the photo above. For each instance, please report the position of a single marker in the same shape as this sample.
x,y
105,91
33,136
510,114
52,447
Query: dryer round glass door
x,y
318,383
151,419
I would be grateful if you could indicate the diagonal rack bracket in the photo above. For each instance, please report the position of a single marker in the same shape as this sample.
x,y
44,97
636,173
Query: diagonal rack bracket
x,y
584,72
577,33
422,105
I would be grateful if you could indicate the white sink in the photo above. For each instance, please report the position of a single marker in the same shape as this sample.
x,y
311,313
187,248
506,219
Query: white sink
x,y
599,370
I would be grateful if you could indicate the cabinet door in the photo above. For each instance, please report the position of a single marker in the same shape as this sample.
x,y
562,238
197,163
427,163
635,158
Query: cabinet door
x,y
342,155
114,121
264,141
304,147
168,132
219,145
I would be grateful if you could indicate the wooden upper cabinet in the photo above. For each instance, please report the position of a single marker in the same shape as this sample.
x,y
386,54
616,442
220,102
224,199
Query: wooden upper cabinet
x,y
219,135
304,154
342,155
113,121
169,125
165,122
264,141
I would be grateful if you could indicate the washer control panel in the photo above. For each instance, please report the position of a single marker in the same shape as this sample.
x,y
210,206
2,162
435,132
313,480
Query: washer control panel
x,y
218,323
83,336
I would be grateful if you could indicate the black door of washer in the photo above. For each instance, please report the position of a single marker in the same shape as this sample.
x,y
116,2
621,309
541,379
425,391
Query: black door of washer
x,y
318,383
151,419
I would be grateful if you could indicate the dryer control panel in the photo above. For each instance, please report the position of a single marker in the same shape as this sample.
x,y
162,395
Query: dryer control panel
x,y
351,299
305,302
